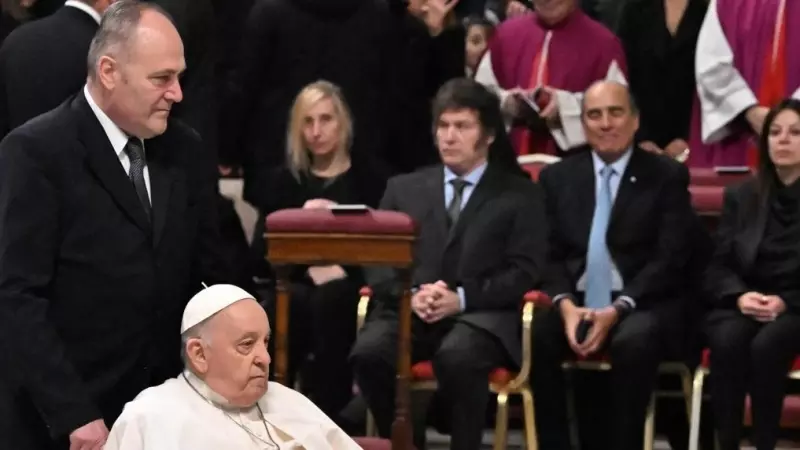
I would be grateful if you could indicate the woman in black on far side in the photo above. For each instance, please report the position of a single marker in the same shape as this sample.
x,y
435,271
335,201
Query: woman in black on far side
x,y
321,171
754,329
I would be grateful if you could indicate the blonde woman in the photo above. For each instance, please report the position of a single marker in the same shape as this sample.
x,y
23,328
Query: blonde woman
x,y
320,170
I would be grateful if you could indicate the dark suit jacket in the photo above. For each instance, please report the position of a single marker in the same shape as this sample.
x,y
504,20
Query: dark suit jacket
x,y
648,233
91,294
740,234
195,22
41,64
495,252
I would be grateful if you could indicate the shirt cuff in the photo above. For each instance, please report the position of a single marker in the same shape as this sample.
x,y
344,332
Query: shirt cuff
x,y
461,298
628,301
558,298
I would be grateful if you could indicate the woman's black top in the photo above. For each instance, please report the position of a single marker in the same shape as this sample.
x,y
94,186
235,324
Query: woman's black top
x,y
776,270
661,67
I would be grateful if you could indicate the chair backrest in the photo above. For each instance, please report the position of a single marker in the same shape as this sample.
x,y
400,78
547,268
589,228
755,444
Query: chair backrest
x,y
534,163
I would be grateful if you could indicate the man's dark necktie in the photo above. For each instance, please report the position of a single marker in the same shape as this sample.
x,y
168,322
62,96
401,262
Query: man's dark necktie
x,y
454,208
135,152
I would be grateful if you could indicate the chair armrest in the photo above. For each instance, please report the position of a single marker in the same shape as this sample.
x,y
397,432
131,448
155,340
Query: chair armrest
x,y
538,298
365,294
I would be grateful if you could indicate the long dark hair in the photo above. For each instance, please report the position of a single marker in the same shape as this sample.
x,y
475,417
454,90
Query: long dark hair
x,y
767,175
465,93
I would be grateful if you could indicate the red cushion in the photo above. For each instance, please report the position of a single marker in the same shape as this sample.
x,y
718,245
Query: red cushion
x,y
324,221
707,199
538,298
371,443
423,371
706,361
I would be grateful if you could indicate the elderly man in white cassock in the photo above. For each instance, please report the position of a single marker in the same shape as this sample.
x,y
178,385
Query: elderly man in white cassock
x,y
223,399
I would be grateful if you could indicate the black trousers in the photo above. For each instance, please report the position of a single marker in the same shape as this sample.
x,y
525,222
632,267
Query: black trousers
x,y
322,322
749,356
462,357
635,346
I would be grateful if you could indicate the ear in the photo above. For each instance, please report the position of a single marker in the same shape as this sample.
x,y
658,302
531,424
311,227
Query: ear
x,y
107,72
197,355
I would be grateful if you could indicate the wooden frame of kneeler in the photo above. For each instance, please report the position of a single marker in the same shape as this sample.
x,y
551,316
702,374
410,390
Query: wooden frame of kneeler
x,y
320,237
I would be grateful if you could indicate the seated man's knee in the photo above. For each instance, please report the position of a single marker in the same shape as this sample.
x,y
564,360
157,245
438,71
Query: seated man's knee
x,y
453,358
637,338
371,349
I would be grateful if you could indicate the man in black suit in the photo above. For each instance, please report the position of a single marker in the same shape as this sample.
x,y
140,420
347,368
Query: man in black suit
x,y
619,219
480,247
44,61
108,227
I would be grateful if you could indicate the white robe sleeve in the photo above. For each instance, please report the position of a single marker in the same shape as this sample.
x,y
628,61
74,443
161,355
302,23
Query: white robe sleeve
x,y
723,93
485,76
796,94
570,134
125,435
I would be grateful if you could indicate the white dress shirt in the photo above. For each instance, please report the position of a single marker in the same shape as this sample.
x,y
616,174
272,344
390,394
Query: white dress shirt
x,y
472,178
85,8
118,139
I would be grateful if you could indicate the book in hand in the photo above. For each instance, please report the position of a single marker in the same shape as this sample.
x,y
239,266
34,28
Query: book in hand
x,y
349,209
731,169
531,106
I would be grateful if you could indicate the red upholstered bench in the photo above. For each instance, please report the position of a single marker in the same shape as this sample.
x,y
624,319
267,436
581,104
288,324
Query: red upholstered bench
x,y
707,200
707,176
502,381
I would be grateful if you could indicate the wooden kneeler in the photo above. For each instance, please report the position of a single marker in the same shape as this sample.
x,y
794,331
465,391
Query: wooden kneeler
x,y
320,237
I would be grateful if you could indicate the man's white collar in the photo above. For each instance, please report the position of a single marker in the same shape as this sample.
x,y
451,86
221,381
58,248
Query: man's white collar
x,y
85,8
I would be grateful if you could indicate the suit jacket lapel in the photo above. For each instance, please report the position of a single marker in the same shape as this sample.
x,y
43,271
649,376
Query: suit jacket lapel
x,y
627,188
482,192
160,186
105,164
586,179
435,192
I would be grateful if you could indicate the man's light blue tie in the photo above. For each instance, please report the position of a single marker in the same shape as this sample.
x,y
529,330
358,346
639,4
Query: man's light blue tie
x,y
598,260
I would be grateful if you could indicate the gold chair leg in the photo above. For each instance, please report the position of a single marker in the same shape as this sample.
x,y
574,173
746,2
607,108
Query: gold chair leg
x,y
501,422
697,401
650,424
530,418
371,429
686,383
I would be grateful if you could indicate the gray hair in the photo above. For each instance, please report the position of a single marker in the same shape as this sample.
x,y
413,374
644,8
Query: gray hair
x,y
117,30
199,331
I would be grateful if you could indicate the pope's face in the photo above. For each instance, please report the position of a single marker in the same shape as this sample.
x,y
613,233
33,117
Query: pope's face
x,y
237,361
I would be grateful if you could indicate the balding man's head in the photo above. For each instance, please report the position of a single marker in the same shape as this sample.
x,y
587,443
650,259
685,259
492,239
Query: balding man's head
x,y
610,118
134,63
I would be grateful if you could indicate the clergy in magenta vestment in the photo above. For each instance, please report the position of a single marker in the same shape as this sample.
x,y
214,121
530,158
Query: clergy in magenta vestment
x,y
567,56
746,56
177,416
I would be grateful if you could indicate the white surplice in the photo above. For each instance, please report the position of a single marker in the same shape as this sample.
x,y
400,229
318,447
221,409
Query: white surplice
x,y
173,416
724,93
